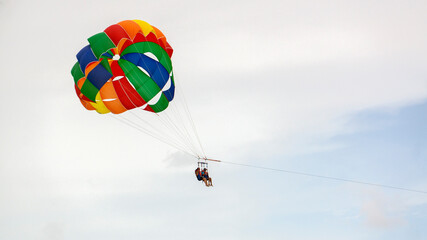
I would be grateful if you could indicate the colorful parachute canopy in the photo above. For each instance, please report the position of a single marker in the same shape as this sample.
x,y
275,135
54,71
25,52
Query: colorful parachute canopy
x,y
126,66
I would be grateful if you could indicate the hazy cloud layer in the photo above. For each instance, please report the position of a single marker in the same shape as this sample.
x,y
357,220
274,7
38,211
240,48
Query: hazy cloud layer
x,y
263,79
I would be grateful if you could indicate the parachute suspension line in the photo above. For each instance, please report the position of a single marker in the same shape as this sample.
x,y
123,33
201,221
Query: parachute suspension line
x,y
147,123
175,136
175,110
133,125
169,123
182,123
165,140
188,119
179,129
160,132
191,121
147,131
136,106
151,133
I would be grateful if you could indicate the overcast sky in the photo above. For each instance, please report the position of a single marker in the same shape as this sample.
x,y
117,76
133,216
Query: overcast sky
x,y
333,88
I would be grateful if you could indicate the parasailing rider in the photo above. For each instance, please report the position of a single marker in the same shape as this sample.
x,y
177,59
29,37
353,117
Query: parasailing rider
x,y
202,176
205,174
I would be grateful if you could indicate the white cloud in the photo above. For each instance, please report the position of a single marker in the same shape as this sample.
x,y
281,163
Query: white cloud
x,y
260,77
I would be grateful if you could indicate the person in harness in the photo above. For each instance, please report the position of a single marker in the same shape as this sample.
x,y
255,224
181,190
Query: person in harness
x,y
200,176
205,174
